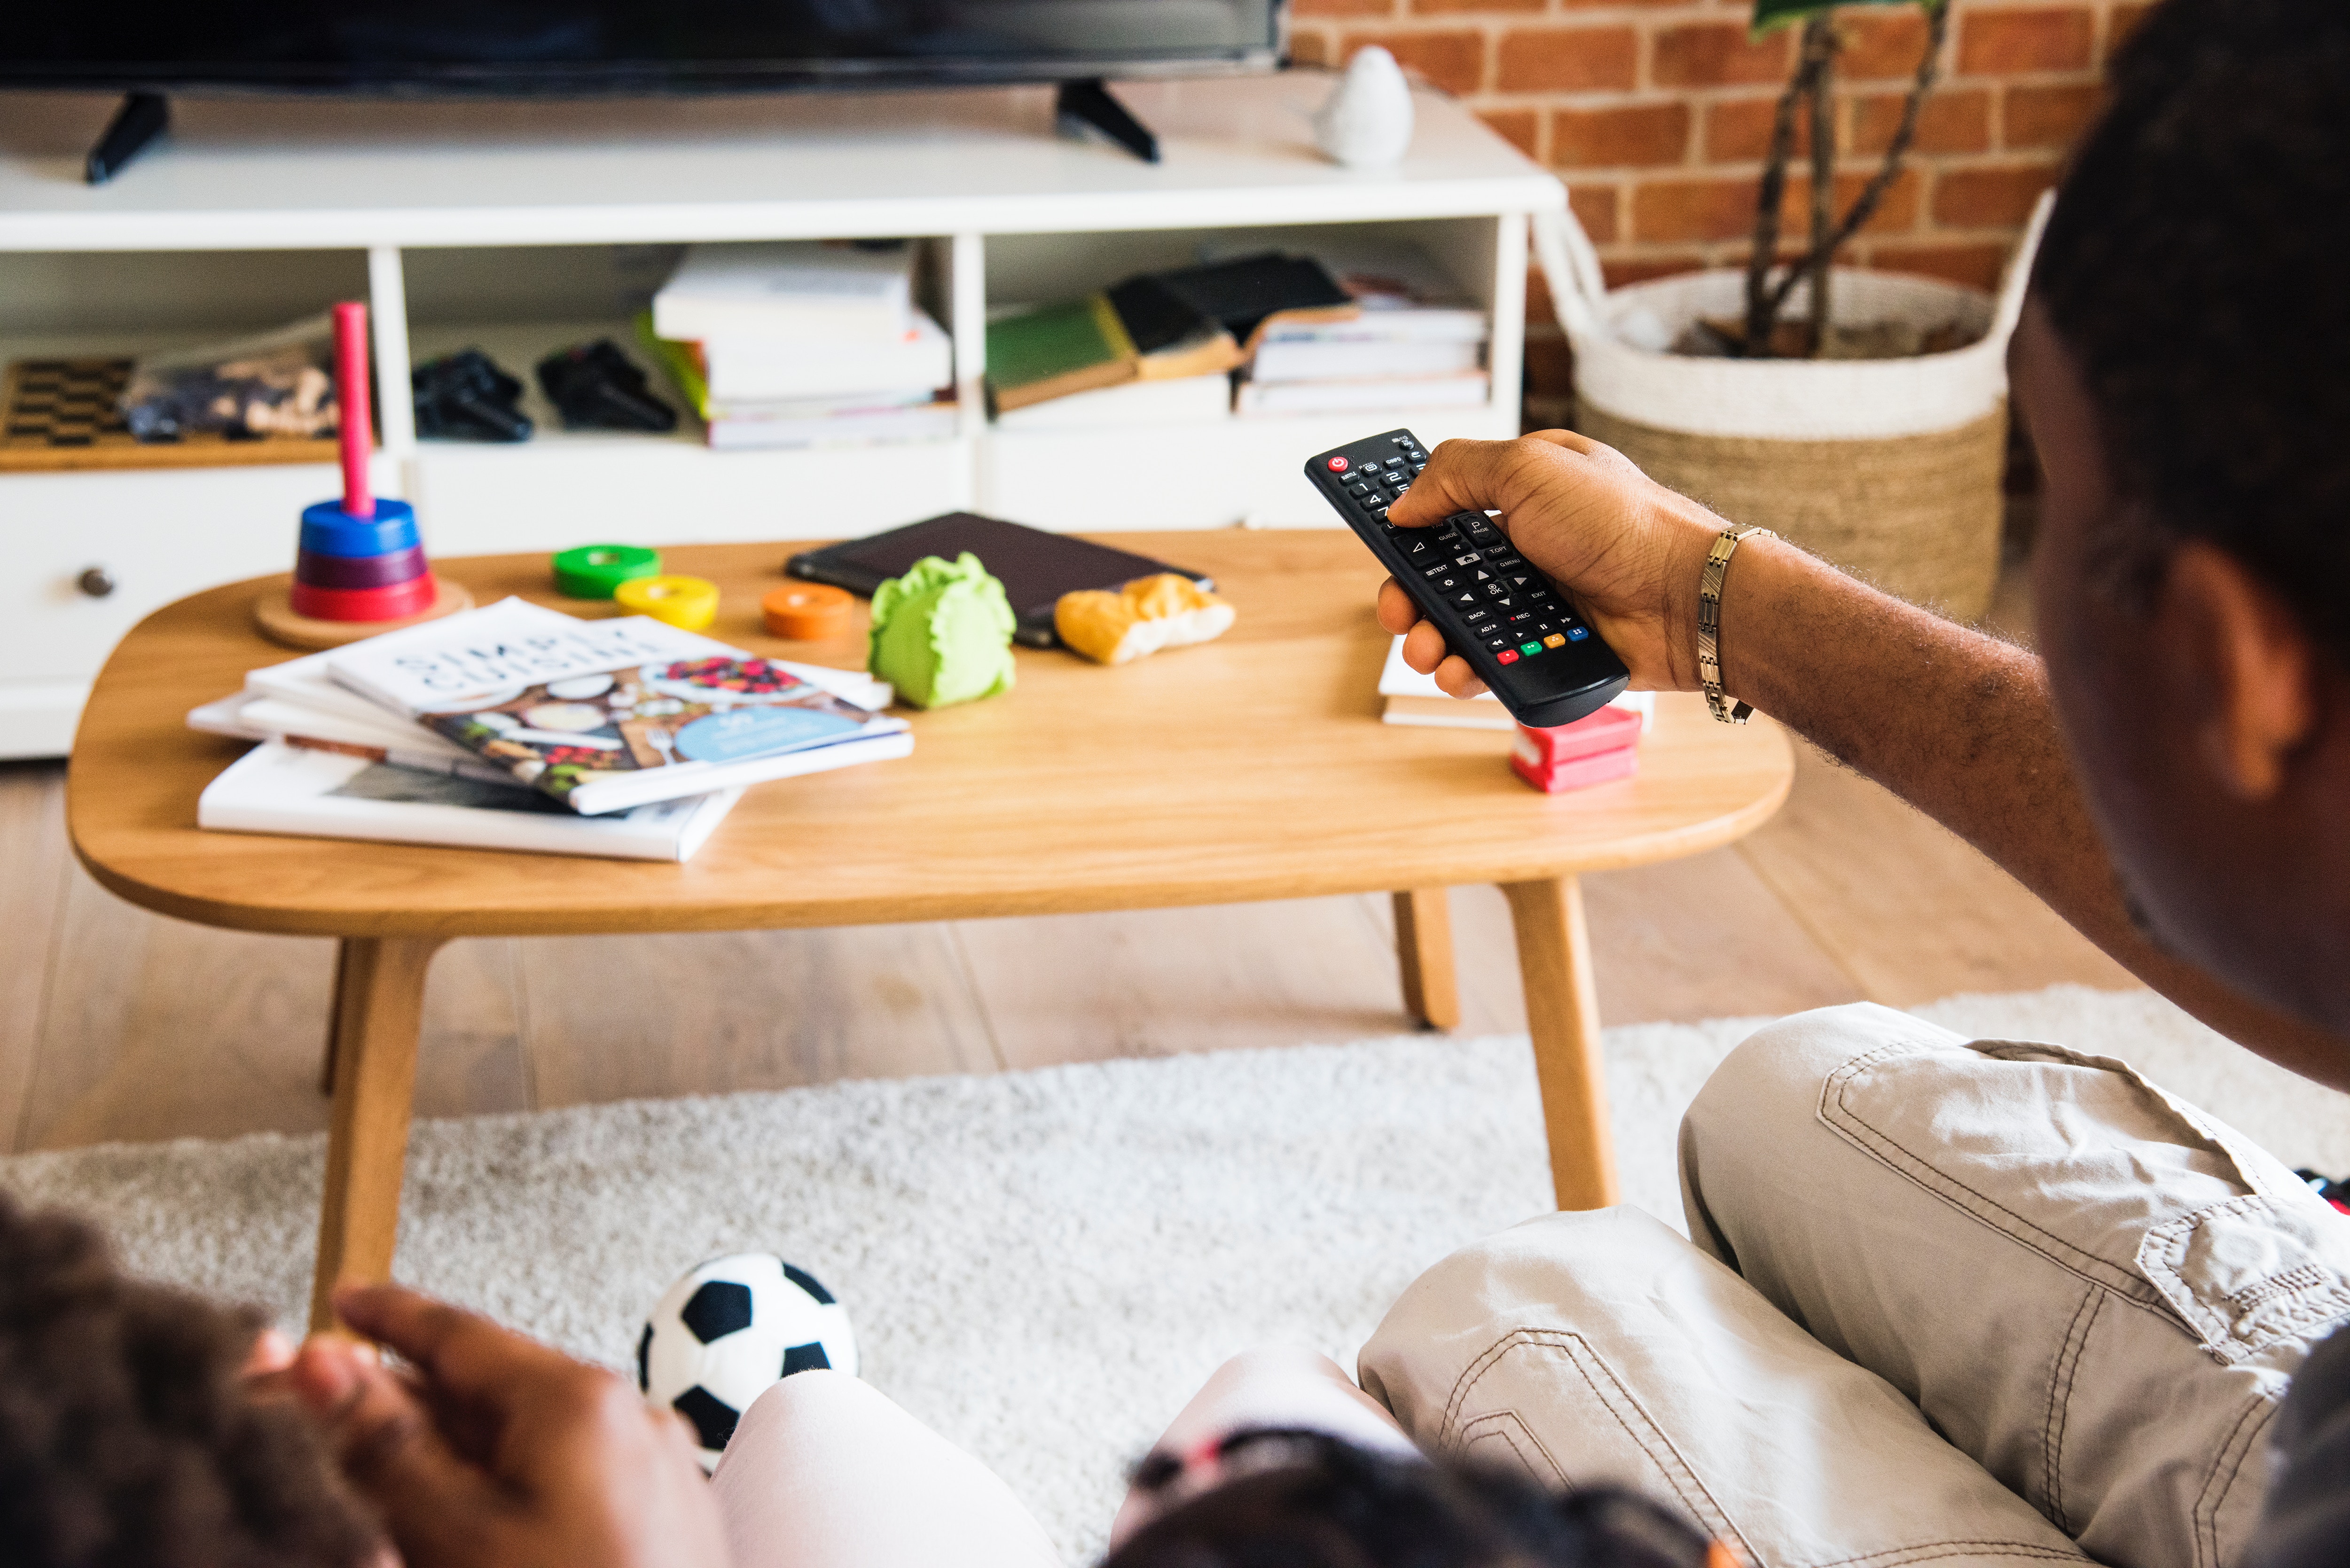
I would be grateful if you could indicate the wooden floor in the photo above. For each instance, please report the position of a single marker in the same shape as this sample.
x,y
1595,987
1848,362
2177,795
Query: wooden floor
x,y
116,1023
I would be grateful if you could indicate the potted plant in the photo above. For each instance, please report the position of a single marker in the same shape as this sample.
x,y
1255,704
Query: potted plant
x,y
1860,413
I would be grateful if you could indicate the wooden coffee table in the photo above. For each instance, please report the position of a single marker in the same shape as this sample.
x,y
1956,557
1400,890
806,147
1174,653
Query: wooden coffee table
x,y
1253,768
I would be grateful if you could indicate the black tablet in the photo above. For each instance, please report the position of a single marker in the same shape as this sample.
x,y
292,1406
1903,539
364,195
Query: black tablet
x,y
1036,568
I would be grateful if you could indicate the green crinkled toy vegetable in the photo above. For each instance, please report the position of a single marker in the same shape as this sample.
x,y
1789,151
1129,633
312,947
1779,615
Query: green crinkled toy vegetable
x,y
942,633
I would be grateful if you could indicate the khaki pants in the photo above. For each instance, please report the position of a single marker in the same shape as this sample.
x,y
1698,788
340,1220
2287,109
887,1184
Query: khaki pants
x,y
1949,1301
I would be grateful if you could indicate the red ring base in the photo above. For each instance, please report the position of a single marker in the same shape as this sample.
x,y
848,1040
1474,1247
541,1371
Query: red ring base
x,y
396,602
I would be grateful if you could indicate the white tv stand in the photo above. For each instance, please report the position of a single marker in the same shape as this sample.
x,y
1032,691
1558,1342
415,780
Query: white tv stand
x,y
505,226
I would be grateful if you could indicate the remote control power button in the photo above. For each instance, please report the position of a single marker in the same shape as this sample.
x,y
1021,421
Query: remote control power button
x,y
1337,465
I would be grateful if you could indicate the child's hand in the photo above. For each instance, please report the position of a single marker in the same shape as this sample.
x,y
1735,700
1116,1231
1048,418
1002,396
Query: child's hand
x,y
496,1449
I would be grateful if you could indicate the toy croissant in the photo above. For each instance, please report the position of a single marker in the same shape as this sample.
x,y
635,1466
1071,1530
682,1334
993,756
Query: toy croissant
x,y
1169,610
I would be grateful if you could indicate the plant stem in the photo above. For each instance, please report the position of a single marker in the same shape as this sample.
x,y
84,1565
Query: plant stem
x,y
1820,47
1865,207
1761,310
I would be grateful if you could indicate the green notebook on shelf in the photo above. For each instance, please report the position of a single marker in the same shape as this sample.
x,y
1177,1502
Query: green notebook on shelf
x,y
1056,350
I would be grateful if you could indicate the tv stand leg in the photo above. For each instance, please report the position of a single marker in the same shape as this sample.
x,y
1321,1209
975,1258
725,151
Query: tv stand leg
x,y
1089,103
143,117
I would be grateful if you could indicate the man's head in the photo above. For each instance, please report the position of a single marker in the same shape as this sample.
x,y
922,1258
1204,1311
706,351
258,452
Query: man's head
x,y
2184,367
127,1433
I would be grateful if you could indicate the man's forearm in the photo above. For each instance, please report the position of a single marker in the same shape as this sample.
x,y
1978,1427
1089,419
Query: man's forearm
x,y
1960,725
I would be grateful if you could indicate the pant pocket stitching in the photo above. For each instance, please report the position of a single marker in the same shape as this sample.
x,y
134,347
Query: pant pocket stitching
x,y
1678,1473
1838,1116
1930,1551
1469,1434
2060,1400
2242,1439
2322,1294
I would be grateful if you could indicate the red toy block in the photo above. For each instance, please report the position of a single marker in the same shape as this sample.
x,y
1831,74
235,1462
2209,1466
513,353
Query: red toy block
x,y
1621,763
1602,731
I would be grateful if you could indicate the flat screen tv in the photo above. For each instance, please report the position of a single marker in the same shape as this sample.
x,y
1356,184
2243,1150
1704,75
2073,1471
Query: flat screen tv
x,y
576,47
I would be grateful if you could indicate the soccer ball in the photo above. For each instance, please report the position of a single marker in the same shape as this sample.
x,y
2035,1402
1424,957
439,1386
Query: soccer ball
x,y
728,1331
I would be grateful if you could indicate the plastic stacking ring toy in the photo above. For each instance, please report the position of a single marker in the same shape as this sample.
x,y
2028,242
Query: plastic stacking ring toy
x,y
806,612
688,604
359,571
397,602
593,571
329,530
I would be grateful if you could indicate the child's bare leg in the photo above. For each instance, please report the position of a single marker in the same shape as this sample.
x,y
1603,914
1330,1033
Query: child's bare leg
x,y
1277,1385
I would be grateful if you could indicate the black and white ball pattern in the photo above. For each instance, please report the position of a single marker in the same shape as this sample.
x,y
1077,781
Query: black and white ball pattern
x,y
726,1332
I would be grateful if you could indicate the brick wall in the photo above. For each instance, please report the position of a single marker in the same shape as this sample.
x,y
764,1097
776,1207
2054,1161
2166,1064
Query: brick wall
x,y
1657,113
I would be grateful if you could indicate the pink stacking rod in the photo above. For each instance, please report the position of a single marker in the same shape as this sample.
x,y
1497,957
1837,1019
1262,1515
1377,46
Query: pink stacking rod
x,y
351,386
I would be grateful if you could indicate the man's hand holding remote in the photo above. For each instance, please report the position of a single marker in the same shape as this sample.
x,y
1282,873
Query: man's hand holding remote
x,y
1958,723
1629,550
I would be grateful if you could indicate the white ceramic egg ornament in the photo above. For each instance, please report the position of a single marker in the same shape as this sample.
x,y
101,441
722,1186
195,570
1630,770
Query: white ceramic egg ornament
x,y
1367,124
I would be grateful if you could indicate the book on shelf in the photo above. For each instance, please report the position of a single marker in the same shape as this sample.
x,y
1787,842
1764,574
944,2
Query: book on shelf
x,y
853,419
604,715
1129,405
738,372
1410,324
1462,391
1411,698
1035,354
872,426
1352,358
310,792
808,290
1262,292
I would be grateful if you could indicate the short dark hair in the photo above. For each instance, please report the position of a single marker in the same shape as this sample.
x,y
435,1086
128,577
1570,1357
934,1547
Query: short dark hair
x,y
1319,1501
127,1435
2194,270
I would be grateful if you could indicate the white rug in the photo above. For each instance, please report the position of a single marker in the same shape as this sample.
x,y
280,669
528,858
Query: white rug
x,y
1042,1265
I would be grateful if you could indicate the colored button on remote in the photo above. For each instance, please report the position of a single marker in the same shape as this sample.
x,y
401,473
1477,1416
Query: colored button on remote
x,y
1507,656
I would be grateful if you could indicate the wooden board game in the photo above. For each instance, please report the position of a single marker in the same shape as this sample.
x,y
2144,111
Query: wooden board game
x,y
60,414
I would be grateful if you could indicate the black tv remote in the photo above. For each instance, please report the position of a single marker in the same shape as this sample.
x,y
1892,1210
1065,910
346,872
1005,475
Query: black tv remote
x,y
1512,625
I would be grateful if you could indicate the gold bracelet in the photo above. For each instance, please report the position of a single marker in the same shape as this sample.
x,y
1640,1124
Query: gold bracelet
x,y
1709,624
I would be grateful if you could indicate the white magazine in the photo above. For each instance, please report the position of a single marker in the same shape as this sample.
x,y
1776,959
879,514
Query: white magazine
x,y
255,716
282,789
605,715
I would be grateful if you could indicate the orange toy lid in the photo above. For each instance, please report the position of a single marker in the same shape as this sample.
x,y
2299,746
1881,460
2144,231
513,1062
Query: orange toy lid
x,y
806,612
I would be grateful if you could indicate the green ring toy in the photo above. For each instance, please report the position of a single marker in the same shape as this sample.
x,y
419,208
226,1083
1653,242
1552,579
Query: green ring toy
x,y
593,571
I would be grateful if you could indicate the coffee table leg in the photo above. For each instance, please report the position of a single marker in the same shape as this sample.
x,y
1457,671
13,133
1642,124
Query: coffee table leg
x,y
1423,922
378,1009
1563,1016
335,1017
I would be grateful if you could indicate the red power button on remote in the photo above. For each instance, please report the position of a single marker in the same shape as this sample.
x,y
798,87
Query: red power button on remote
x,y
1337,465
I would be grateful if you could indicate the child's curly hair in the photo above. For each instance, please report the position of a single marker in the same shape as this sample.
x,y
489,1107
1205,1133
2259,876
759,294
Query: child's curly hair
x,y
1290,1498
127,1434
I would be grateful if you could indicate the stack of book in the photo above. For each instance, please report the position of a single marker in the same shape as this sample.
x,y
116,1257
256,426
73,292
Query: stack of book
x,y
1412,343
516,727
1413,697
803,343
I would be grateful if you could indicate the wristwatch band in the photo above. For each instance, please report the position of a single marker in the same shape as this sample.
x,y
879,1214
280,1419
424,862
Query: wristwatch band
x,y
1709,625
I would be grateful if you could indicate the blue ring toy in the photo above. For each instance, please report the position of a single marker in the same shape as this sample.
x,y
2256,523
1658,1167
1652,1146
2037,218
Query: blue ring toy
x,y
329,530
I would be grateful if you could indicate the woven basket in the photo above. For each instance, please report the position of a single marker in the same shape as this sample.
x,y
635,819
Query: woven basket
x,y
1889,468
